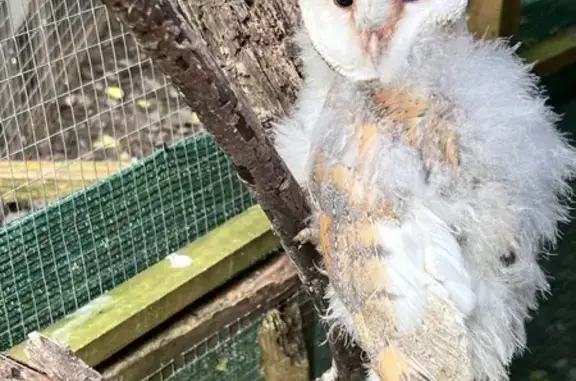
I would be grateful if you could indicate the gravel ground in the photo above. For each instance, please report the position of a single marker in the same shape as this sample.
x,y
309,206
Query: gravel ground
x,y
147,114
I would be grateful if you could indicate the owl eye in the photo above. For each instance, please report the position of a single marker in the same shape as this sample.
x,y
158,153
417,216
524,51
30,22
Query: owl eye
x,y
344,3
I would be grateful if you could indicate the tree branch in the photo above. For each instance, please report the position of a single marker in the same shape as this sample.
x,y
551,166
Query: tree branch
x,y
179,51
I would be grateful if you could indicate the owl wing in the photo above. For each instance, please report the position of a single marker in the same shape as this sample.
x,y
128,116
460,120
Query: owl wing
x,y
407,292
395,267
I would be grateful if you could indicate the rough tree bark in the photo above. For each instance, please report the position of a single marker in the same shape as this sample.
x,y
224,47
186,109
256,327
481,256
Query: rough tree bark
x,y
251,41
177,39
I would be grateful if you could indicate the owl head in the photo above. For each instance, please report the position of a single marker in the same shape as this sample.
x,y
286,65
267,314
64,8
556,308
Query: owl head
x,y
368,39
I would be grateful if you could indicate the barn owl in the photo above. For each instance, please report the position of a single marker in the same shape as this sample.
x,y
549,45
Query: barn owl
x,y
437,179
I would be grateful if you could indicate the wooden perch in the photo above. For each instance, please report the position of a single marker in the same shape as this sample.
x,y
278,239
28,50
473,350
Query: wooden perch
x,y
50,362
179,51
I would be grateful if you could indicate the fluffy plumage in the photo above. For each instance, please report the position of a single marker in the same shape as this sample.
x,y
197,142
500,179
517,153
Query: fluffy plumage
x,y
437,184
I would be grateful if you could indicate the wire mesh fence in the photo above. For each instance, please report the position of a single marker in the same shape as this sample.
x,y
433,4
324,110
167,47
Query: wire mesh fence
x,y
82,108
76,87
81,103
237,351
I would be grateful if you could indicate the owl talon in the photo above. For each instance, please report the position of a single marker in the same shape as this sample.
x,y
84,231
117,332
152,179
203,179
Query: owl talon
x,y
308,235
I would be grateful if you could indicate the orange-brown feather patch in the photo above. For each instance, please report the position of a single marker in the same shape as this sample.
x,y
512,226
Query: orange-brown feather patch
x,y
399,104
446,140
365,135
368,280
391,365
451,149
344,179
374,322
325,239
360,234
318,171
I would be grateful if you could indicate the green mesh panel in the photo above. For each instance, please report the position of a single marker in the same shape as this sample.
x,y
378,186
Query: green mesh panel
x,y
235,358
543,18
58,259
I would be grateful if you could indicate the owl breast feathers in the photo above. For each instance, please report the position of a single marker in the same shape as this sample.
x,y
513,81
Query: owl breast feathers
x,y
435,194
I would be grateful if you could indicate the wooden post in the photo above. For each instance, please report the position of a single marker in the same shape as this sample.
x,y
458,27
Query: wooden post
x,y
283,349
494,18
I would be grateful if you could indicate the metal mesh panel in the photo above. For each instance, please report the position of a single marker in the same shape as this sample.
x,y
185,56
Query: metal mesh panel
x,y
79,102
74,87
234,353
58,259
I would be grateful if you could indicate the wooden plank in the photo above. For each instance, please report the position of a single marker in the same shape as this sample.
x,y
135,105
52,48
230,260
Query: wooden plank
x,y
554,53
494,18
117,318
30,181
251,295
57,361
511,16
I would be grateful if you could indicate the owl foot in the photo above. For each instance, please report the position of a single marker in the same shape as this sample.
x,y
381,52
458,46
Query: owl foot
x,y
308,235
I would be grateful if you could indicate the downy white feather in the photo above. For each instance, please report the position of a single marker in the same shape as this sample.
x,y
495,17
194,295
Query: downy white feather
x,y
508,195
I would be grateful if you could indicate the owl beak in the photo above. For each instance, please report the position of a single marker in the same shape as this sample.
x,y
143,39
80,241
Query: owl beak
x,y
373,47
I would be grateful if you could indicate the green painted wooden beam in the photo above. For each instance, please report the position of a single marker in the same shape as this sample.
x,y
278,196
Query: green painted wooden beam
x,y
554,53
117,318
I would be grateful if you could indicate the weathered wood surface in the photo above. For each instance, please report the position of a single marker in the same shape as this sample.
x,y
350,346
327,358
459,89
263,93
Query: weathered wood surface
x,y
252,42
49,360
494,18
178,49
251,295
553,54
283,348
14,370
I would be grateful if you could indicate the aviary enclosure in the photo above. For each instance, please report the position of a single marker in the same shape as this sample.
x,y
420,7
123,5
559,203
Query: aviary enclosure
x,y
127,234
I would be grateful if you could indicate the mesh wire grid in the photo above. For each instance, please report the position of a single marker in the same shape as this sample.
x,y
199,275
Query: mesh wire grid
x,y
235,353
76,89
